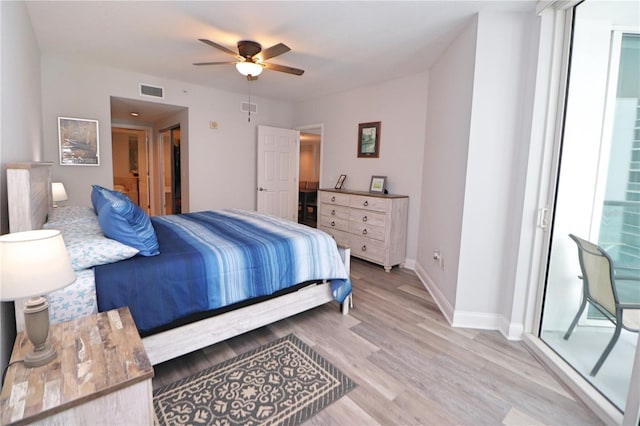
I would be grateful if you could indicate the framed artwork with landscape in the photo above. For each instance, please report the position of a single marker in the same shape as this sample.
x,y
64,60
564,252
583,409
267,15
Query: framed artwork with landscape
x,y
78,140
369,140
377,184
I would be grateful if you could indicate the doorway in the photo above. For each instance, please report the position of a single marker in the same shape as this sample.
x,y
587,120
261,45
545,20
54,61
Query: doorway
x,y
171,170
130,164
309,174
164,187
597,199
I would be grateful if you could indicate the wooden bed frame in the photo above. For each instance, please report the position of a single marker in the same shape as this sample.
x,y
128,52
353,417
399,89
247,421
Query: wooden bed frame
x,y
29,201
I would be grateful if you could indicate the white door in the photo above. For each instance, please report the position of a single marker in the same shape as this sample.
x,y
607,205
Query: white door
x,y
278,162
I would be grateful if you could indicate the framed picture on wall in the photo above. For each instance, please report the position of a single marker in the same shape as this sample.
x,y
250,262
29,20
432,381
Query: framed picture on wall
x,y
369,140
78,141
340,182
377,184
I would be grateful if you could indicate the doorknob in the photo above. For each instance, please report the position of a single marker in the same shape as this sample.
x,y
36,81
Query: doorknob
x,y
262,189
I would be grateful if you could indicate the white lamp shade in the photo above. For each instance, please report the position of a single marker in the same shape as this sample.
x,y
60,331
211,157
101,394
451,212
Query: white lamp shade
x,y
33,263
249,68
58,192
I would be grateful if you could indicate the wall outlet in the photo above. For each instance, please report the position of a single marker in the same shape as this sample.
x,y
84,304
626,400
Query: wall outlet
x,y
438,258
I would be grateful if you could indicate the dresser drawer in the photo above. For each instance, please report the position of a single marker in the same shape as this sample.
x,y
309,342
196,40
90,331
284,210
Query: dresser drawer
x,y
366,230
335,211
369,203
341,237
333,198
367,248
367,217
334,223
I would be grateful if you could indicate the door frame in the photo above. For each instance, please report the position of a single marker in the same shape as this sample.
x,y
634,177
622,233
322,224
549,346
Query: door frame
x,y
150,164
542,179
320,128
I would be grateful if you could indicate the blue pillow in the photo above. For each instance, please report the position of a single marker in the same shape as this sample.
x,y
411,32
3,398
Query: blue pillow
x,y
124,221
98,198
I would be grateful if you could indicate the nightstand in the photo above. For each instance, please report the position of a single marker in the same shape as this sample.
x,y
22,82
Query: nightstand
x,y
102,375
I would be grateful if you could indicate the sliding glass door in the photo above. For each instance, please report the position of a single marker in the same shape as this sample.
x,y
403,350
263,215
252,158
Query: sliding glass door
x,y
594,257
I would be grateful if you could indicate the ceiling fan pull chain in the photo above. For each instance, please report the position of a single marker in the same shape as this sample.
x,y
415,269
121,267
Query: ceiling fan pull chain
x,y
249,84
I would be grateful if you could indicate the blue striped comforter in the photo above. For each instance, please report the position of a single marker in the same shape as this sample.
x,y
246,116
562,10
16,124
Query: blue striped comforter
x,y
214,259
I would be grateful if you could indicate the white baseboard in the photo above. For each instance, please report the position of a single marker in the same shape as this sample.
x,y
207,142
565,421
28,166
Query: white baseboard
x,y
474,320
409,264
438,297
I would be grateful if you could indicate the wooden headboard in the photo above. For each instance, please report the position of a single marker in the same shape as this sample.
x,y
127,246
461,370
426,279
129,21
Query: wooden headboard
x,y
28,195
30,202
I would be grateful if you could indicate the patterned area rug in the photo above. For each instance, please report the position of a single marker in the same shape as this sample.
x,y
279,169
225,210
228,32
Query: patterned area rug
x,y
282,383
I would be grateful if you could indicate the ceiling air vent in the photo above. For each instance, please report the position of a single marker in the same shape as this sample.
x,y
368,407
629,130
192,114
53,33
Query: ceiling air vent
x,y
155,91
249,107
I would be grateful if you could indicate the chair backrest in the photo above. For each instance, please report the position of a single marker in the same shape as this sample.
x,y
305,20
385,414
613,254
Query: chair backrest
x,y
302,184
597,273
313,185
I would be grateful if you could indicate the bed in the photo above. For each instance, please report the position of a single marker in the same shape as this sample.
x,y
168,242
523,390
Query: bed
x,y
28,190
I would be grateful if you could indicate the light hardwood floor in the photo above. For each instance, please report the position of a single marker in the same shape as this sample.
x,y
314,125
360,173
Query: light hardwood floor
x,y
411,367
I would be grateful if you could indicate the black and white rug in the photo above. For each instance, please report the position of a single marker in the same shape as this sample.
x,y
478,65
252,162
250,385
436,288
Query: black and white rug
x,y
282,383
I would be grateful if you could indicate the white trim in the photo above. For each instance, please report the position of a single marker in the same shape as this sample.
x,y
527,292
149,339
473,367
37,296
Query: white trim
x,y
409,264
443,304
549,103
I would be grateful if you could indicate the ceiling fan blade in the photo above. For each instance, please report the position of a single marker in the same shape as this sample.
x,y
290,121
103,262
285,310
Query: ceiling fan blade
x,y
283,68
273,51
220,47
213,63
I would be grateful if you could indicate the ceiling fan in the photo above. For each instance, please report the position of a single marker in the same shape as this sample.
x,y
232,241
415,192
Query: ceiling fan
x,y
250,58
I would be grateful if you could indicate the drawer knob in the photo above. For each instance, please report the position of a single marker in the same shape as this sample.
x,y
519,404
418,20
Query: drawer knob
x,y
366,203
364,248
333,198
333,223
333,212
364,219
364,231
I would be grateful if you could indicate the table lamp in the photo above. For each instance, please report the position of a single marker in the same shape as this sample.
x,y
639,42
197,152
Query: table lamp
x,y
58,193
34,263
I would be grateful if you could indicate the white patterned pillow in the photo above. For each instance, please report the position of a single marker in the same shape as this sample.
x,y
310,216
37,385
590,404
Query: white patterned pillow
x,y
68,214
88,247
75,300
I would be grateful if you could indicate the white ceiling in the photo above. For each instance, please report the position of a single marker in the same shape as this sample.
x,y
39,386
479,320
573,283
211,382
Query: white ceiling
x,y
340,45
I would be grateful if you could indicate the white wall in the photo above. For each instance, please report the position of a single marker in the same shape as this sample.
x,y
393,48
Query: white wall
x,y
20,121
496,169
478,121
445,163
401,107
221,163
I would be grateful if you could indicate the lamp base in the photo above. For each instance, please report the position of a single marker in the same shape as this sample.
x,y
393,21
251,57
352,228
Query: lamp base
x,y
39,358
36,324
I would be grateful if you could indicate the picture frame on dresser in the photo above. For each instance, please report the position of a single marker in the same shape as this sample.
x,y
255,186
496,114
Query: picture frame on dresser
x,y
369,140
340,182
377,184
78,141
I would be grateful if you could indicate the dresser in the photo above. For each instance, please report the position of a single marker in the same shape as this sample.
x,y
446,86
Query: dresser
x,y
374,226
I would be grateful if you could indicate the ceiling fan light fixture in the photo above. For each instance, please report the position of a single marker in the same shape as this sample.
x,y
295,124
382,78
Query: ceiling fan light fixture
x,y
249,68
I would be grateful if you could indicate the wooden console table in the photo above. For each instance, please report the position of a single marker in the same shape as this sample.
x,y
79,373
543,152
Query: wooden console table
x,y
102,375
